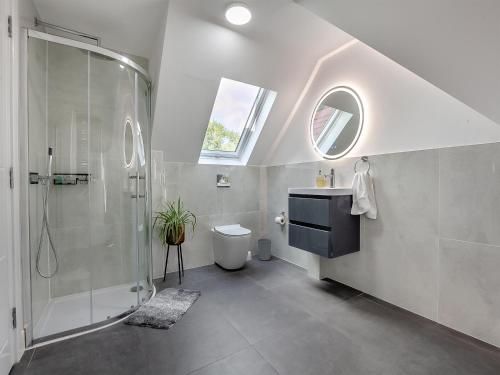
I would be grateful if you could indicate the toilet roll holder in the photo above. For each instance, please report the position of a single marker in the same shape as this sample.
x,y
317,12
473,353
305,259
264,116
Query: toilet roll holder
x,y
281,219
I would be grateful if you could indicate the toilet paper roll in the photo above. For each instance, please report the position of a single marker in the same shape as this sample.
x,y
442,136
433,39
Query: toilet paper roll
x,y
279,220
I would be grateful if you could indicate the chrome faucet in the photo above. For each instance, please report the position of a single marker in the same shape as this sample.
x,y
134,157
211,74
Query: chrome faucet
x,y
332,178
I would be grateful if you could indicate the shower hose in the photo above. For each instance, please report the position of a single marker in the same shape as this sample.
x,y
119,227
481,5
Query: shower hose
x,y
45,226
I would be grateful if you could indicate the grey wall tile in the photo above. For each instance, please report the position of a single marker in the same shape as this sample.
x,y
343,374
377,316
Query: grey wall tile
x,y
196,185
469,282
469,202
400,246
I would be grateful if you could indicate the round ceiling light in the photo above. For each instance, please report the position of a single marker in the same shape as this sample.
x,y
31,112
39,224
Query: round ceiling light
x,y
238,14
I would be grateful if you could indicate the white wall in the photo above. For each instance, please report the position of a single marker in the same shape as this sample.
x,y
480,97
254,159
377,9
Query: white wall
x,y
453,44
156,58
403,112
277,50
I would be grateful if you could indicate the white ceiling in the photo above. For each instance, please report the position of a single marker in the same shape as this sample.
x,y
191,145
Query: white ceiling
x,y
454,44
277,50
129,26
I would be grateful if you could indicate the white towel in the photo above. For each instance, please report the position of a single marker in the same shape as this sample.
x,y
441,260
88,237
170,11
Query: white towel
x,y
363,196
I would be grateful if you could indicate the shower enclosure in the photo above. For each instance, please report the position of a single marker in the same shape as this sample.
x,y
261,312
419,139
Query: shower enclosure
x,y
89,211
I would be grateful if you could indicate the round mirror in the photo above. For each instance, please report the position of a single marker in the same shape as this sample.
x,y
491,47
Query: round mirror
x,y
128,144
336,122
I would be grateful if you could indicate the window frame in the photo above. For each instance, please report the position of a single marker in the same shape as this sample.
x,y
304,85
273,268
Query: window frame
x,y
246,133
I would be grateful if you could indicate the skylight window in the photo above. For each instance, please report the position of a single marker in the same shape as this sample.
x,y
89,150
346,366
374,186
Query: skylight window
x,y
239,112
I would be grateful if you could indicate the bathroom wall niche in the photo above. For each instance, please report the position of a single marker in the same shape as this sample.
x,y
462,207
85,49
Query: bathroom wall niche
x,y
336,122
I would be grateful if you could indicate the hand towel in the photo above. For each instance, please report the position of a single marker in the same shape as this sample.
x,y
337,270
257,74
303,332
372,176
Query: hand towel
x,y
363,196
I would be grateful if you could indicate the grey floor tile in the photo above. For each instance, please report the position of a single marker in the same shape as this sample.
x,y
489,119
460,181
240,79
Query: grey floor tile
x,y
407,343
371,323
273,273
317,349
200,338
104,352
260,315
246,362
191,276
270,318
228,288
318,298
436,350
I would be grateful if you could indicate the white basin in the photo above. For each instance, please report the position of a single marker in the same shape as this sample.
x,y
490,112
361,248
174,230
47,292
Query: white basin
x,y
320,191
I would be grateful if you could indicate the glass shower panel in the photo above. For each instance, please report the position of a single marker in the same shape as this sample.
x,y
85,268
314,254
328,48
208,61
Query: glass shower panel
x,y
63,127
92,111
112,206
144,197
37,161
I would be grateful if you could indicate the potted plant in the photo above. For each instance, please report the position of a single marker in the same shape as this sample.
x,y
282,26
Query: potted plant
x,y
171,223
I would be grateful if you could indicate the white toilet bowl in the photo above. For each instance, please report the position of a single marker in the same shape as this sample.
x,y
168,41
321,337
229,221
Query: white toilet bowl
x,y
231,245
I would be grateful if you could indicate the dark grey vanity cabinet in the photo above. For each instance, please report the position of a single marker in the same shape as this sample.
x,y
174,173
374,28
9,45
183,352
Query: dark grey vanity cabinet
x,y
323,224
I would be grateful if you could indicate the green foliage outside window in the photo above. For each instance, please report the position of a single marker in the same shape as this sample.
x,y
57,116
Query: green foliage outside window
x,y
219,138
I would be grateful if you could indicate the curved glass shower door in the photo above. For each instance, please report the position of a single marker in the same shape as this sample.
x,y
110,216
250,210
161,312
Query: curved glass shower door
x,y
90,239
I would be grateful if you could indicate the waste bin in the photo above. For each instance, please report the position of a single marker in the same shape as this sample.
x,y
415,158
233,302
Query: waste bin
x,y
264,249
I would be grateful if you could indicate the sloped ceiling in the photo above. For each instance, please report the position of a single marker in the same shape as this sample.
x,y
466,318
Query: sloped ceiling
x,y
129,26
403,112
277,50
453,44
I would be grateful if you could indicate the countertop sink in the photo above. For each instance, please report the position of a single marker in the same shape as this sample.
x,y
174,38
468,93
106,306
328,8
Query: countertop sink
x,y
320,191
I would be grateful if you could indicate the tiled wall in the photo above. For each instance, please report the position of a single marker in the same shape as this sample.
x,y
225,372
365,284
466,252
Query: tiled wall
x,y
242,203
435,247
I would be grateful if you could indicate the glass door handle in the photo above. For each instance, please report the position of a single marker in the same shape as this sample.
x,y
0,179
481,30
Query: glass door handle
x,y
138,186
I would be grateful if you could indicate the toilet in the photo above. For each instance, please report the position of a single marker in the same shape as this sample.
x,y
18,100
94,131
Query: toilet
x,y
231,245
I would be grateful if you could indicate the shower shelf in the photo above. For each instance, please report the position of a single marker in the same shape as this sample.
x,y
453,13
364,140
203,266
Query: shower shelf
x,y
71,178
61,178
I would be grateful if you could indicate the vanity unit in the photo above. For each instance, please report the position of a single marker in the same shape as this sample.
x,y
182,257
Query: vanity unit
x,y
321,221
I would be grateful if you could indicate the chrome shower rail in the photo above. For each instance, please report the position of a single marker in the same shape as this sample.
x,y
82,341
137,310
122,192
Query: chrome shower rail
x,y
39,22
89,47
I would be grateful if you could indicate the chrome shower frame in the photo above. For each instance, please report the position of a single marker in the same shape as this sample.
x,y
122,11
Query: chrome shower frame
x,y
25,242
90,47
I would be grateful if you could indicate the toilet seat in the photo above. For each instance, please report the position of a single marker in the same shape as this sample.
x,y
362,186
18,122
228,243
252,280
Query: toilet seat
x,y
232,230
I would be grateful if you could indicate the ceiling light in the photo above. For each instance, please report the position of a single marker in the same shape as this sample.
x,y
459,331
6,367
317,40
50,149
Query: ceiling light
x,y
238,14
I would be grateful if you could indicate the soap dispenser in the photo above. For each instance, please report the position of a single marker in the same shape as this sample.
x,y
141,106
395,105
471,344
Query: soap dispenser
x,y
320,180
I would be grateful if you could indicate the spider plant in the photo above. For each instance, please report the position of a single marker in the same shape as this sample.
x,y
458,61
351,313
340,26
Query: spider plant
x,y
171,222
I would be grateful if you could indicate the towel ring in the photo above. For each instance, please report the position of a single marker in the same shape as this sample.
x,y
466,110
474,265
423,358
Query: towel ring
x,y
363,159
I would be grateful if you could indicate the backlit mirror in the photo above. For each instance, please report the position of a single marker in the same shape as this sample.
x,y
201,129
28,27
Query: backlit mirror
x,y
336,122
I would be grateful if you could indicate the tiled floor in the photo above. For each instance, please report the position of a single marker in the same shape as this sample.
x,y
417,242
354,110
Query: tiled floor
x,y
271,319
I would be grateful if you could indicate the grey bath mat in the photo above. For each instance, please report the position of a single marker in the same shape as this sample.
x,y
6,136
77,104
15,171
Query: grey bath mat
x,y
166,308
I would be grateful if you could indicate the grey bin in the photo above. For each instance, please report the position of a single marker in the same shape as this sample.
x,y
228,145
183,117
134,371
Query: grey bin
x,y
264,249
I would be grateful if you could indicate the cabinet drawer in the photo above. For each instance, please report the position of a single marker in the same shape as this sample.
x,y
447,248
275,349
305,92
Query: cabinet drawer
x,y
310,210
316,241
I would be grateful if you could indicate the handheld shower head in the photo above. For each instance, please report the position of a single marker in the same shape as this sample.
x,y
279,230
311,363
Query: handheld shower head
x,y
45,225
49,166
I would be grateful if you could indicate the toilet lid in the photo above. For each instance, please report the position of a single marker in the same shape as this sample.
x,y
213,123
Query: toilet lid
x,y
232,230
